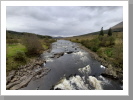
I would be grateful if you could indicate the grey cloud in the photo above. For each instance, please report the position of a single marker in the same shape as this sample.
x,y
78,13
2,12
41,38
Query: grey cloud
x,y
62,20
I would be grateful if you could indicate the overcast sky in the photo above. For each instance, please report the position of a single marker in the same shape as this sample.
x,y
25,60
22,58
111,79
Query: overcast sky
x,y
62,20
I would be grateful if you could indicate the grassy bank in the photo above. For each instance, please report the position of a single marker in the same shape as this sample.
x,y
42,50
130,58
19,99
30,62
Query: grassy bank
x,y
23,48
13,48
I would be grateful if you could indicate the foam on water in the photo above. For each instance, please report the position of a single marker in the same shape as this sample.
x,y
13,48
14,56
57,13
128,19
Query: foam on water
x,y
65,53
78,83
80,56
73,83
44,64
84,58
49,60
102,66
104,81
80,53
85,70
64,85
95,83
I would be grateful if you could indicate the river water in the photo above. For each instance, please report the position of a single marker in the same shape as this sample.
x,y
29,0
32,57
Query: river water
x,y
72,68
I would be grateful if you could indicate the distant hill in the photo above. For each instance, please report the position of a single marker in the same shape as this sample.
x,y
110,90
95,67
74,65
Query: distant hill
x,y
116,28
59,37
11,33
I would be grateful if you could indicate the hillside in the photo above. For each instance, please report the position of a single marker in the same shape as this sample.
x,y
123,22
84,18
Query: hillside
x,y
116,28
15,34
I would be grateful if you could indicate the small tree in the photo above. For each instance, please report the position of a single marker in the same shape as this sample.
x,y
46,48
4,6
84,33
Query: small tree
x,y
101,32
110,32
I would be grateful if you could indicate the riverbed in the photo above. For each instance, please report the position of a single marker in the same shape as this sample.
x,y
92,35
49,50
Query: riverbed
x,y
72,68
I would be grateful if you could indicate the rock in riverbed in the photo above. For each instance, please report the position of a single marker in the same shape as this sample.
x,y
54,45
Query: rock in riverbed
x,y
57,55
17,79
10,76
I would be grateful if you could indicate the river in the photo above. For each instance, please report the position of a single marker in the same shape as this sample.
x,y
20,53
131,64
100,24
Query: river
x,y
72,68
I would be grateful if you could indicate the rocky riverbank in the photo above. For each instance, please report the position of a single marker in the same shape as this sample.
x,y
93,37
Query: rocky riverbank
x,y
110,71
19,78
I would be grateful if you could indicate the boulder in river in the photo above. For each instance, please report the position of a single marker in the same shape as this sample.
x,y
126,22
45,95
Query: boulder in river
x,y
57,55
69,52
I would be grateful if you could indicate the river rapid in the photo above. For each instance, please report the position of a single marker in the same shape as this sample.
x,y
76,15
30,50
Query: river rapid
x,y
72,68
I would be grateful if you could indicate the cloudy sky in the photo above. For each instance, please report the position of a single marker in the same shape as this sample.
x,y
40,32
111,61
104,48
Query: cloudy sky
x,y
62,20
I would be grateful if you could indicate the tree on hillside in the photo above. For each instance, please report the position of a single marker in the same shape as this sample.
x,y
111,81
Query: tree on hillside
x,y
110,32
101,32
